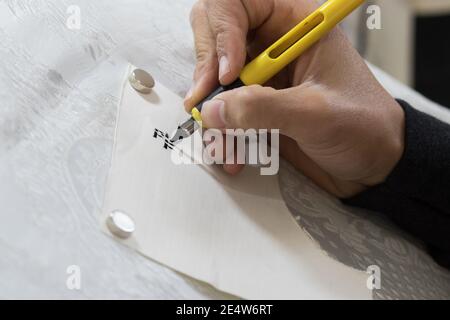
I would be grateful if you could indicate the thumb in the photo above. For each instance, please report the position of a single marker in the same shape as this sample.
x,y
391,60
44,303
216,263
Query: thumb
x,y
256,107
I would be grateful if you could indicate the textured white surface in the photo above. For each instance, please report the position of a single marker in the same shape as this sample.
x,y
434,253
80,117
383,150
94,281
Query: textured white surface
x,y
59,90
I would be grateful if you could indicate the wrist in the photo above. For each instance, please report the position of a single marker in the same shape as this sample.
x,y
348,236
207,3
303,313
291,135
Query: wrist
x,y
391,149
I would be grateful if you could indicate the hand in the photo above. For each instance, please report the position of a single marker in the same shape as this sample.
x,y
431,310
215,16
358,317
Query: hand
x,y
339,126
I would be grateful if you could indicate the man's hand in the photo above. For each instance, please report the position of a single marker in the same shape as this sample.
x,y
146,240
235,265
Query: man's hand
x,y
339,126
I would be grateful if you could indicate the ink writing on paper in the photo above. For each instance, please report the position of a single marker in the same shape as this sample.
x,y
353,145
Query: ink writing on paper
x,y
168,144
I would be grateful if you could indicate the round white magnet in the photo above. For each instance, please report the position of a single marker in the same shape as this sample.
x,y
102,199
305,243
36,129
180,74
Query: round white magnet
x,y
120,224
141,81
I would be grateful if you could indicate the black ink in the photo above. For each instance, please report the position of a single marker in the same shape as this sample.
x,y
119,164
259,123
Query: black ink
x,y
160,134
168,143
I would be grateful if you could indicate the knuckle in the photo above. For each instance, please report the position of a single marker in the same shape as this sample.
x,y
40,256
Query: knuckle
x,y
254,90
202,68
198,9
249,96
203,56
221,41
245,94
226,34
247,108
206,60
222,26
241,117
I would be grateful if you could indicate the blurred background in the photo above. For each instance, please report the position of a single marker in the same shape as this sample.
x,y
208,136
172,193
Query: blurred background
x,y
413,44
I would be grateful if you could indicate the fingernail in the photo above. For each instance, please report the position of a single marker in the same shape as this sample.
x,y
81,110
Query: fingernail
x,y
213,114
224,67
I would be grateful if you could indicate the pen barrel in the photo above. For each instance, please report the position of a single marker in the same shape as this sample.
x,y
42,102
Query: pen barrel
x,y
336,11
236,84
297,41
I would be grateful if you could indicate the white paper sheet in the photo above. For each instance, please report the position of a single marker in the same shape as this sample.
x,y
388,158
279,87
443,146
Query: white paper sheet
x,y
232,232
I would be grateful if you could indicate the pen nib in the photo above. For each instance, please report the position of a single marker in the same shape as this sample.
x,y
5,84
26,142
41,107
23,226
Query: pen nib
x,y
184,131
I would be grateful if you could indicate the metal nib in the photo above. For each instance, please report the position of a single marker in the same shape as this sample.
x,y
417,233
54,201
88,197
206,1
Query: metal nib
x,y
185,130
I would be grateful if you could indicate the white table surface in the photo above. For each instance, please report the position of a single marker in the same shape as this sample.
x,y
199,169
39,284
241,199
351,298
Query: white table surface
x,y
59,91
57,87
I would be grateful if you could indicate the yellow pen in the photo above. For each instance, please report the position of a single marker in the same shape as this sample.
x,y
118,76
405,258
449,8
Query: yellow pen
x,y
279,55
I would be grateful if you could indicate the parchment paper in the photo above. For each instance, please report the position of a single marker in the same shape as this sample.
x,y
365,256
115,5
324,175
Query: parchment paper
x,y
234,233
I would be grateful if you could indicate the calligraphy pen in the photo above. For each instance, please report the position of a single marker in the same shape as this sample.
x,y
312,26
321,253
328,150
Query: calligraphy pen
x,y
284,51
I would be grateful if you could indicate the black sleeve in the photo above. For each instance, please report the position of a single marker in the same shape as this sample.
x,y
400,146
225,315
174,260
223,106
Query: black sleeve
x,y
416,195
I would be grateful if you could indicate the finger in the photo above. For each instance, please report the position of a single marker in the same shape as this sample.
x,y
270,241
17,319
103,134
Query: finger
x,y
229,24
228,154
284,16
206,70
217,145
231,165
293,111
233,169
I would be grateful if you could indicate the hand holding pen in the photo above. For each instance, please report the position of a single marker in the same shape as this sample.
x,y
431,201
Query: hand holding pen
x,y
339,125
